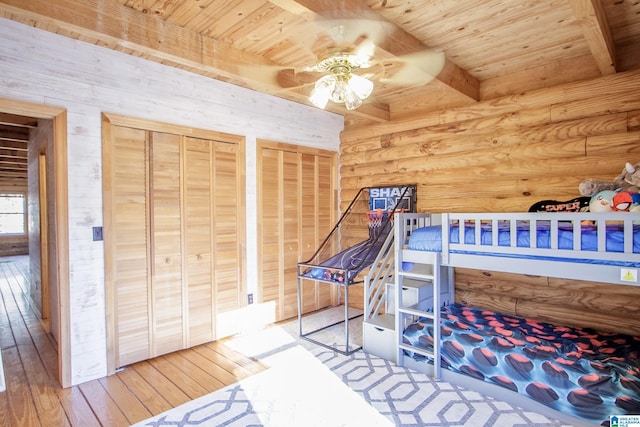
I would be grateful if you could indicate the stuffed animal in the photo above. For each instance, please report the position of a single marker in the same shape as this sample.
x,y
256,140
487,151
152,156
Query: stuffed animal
x,y
601,201
626,201
628,180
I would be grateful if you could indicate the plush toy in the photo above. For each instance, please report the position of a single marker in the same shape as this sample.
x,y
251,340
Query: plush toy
x,y
601,201
628,180
626,201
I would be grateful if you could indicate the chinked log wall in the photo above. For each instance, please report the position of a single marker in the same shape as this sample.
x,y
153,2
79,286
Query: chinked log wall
x,y
503,155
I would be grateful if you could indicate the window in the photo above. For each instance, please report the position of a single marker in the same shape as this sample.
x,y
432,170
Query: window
x,y
13,214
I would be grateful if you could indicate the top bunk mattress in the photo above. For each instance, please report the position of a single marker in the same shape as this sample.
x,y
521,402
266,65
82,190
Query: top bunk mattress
x,y
430,239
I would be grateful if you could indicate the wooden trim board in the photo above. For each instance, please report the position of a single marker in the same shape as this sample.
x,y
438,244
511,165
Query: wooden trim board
x,y
61,225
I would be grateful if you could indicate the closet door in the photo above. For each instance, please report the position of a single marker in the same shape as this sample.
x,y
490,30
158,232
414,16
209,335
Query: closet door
x,y
291,207
174,239
317,193
214,230
166,243
271,228
297,210
229,225
129,249
198,219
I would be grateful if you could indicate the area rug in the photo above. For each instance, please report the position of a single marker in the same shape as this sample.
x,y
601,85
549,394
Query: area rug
x,y
309,385
297,390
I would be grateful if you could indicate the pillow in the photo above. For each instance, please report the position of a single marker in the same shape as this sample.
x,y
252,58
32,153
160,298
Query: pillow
x,y
579,204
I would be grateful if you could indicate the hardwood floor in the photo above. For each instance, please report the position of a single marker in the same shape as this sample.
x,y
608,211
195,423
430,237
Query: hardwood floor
x,y
33,396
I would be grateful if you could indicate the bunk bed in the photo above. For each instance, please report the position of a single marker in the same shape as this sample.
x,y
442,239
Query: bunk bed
x,y
367,221
575,375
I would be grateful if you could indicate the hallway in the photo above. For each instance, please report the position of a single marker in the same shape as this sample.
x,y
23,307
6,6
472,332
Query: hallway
x,y
33,396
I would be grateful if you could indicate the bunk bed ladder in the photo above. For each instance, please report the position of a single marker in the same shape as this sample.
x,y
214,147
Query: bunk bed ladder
x,y
427,308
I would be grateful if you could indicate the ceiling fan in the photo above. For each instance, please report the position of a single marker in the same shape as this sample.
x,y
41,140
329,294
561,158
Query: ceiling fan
x,y
350,63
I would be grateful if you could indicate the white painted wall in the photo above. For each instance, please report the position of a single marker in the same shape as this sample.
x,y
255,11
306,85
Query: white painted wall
x,y
46,68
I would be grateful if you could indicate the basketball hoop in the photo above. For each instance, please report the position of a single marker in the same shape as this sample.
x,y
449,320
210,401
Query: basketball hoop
x,y
375,218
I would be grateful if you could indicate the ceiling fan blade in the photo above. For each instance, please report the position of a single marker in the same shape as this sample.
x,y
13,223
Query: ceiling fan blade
x,y
289,78
375,71
365,51
414,69
279,76
348,31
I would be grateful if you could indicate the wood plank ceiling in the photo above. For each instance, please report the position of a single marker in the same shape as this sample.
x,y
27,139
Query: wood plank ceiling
x,y
492,48
14,136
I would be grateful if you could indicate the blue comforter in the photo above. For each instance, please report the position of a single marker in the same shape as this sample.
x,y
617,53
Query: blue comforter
x,y
430,238
577,371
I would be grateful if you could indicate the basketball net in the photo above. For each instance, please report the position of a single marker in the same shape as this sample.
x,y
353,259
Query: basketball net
x,y
376,216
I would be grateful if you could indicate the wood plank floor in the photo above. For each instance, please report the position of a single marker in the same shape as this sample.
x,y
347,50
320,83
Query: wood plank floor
x,y
33,396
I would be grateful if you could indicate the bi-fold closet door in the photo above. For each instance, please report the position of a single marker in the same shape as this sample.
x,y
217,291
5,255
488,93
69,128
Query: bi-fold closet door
x,y
174,239
297,210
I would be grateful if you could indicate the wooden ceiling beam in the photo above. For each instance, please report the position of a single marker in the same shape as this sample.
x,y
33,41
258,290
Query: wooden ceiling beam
x,y
591,16
4,176
13,144
14,166
13,158
12,133
124,29
16,120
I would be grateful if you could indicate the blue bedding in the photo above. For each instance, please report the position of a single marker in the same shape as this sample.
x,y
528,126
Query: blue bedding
x,y
581,372
430,238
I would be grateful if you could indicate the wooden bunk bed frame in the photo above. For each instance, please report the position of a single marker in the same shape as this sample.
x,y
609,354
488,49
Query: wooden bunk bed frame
x,y
437,269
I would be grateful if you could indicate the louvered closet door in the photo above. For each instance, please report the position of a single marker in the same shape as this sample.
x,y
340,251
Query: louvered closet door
x,y
292,226
214,230
230,293
317,221
294,218
198,195
166,240
174,240
271,228
129,248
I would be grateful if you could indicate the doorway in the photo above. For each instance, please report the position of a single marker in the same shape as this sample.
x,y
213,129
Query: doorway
x,y
47,187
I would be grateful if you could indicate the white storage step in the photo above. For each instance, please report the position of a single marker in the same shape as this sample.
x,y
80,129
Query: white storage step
x,y
413,291
379,336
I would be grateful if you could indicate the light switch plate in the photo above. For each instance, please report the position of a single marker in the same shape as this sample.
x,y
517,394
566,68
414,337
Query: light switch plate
x,y
97,234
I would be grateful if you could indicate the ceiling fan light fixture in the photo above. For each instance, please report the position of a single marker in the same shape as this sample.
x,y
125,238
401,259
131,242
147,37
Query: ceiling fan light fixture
x,y
339,84
360,86
351,100
340,91
322,91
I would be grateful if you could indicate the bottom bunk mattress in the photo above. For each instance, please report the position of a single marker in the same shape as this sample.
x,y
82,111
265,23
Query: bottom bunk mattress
x,y
588,374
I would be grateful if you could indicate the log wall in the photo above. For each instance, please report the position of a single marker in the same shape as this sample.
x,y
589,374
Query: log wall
x,y
503,155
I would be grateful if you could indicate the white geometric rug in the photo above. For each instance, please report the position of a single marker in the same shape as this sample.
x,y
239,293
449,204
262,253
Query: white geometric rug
x,y
308,385
297,390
